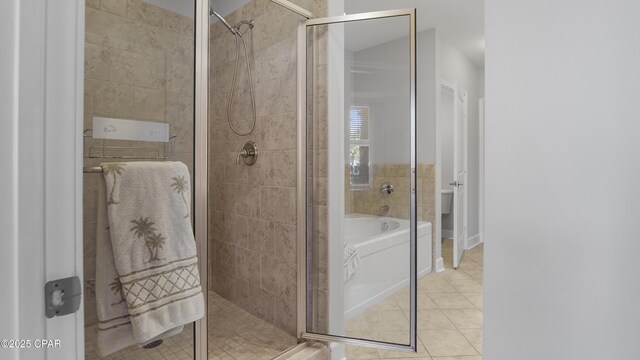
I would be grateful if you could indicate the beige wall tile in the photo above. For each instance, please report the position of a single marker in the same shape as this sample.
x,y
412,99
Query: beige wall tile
x,y
143,12
96,62
117,7
281,169
133,68
226,257
248,265
278,204
235,229
277,60
153,40
265,97
179,77
285,243
269,271
103,28
264,307
262,237
95,4
149,104
286,91
279,132
248,200
109,98
285,313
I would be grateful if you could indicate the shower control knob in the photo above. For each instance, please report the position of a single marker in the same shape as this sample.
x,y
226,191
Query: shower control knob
x,y
249,154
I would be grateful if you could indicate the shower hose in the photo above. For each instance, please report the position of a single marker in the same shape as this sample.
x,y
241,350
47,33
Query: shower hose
x,y
237,35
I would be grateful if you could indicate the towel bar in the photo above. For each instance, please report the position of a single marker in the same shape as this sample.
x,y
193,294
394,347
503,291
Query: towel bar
x,y
92,170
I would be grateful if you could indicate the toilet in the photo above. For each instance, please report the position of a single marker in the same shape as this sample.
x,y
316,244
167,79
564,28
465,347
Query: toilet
x,y
447,201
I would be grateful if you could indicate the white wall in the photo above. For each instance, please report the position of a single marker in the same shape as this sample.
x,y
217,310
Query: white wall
x,y
9,328
457,68
562,273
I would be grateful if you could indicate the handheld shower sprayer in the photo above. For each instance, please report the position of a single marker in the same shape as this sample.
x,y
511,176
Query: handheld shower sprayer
x,y
235,30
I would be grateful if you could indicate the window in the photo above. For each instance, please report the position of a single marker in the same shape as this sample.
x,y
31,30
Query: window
x,y
359,161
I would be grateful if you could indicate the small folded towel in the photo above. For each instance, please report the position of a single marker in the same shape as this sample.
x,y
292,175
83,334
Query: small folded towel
x,y
147,280
351,261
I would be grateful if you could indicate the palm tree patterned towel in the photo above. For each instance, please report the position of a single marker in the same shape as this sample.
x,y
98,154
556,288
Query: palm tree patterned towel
x,y
147,280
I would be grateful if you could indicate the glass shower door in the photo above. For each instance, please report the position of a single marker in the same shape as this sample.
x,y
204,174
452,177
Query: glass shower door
x,y
357,178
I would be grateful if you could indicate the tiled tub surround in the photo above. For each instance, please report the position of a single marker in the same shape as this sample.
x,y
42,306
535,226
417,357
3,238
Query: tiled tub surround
x,y
252,209
369,200
138,65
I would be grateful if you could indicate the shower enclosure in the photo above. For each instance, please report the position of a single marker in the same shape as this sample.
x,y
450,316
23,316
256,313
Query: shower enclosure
x,y
299,131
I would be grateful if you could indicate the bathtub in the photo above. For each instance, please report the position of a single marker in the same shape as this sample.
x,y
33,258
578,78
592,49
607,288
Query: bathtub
x,y
382,244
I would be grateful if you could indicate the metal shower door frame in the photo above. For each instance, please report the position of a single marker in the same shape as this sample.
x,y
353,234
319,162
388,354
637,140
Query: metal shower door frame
x,y
201,139
302,182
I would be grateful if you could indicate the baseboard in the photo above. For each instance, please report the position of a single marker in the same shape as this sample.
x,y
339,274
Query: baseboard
x,y
474,241
447,234
439,265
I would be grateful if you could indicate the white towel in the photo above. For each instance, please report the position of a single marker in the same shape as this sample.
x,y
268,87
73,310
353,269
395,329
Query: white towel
x,y
147,281
351,261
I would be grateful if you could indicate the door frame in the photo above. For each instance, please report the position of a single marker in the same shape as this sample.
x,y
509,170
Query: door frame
x,y
201,169
452,87
481,145
302,181
43,53
461,96
457,92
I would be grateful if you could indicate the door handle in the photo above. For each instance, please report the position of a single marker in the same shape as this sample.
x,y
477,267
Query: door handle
x,y
455,183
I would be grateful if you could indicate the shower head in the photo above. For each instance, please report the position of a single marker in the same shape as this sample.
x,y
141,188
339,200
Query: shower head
x,y
231,28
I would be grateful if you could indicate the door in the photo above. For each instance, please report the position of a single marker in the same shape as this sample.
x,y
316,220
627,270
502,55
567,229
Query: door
x,y
460,177
357,116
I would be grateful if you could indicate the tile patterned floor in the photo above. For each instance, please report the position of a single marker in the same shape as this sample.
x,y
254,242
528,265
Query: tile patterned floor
x,y
449,315
449,324
234,334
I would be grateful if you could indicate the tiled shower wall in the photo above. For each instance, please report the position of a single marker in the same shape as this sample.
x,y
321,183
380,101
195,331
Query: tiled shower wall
x,y
138,65
252,209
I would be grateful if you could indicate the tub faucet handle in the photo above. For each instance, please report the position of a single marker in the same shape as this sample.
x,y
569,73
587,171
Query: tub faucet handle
x,y
387,188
